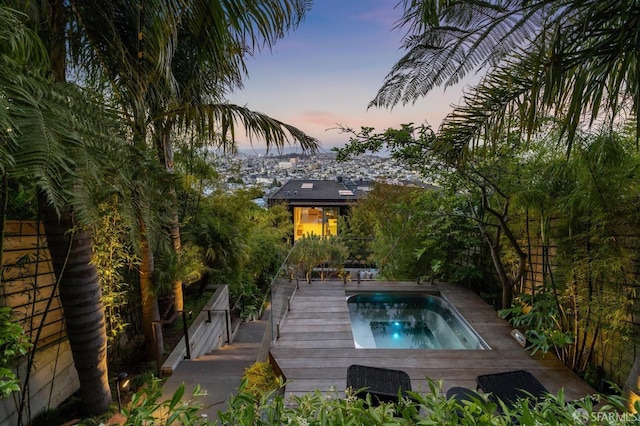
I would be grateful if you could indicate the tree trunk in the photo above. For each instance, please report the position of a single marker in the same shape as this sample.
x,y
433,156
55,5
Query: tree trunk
x,y
71,252
164,149
153,339
80,295
178,296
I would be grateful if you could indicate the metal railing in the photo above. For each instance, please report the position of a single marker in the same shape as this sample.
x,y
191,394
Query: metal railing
x,y
227,320
282,291
171,320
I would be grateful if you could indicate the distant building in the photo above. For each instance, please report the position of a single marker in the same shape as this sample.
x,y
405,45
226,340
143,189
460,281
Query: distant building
x,y
264,180
316,204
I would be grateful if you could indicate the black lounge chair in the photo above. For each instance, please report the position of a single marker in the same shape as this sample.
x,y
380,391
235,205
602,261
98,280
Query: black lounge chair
x,y
510,386
463,394
382,384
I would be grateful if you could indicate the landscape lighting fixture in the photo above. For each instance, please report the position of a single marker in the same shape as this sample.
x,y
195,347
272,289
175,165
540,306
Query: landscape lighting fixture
x,y
122,381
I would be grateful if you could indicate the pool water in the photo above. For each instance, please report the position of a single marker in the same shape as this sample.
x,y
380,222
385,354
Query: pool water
x,y
409,321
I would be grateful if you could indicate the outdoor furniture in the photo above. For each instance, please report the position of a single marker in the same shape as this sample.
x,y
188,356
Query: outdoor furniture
x,y
382,384
462,394
510,386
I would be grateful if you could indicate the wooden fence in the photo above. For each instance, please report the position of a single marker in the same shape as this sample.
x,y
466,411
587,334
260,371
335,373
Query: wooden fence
x,y
29,288
613,353
29,284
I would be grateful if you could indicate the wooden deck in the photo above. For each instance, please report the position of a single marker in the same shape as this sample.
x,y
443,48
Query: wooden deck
x,y
315,344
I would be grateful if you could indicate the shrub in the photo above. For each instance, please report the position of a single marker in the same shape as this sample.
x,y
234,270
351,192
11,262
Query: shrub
x,y
422,408
260,379
13,344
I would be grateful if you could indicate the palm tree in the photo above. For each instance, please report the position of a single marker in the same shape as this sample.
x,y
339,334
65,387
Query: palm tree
x,y
576,61
200,92
131,47
174,74
48,132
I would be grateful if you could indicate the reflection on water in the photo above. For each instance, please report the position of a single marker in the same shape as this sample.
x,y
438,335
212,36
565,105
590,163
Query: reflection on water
x,y
408,321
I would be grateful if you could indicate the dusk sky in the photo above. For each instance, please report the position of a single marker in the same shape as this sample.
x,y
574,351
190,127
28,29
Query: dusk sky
x,y
326,72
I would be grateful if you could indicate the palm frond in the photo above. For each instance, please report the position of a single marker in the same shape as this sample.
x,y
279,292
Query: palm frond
x,y
486,108
583,72
219,121
18,43
455,39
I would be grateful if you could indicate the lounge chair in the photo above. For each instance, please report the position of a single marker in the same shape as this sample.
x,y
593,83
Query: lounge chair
x,y
510,386
383,384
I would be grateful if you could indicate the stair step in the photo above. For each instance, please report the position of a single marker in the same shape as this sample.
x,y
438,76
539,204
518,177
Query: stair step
x,y
228,356
239,346
236,350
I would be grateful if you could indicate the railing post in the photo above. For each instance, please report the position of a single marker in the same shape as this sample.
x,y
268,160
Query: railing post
x,y
154,324
227,316
185,329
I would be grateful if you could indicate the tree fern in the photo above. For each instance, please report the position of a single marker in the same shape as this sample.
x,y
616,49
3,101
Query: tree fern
x,y
573,59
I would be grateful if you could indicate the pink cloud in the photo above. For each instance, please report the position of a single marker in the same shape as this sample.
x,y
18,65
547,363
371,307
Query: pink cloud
x,y
318,118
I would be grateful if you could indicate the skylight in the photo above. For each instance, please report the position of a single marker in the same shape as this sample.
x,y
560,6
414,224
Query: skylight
x,y
307,185
345,192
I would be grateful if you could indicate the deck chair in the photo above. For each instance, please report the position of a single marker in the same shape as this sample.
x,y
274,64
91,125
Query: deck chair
x,y
383,384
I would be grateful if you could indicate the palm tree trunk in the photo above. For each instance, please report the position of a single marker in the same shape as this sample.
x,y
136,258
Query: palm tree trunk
x,y
71,247
151,325
164,149
153,339
80,294
178,296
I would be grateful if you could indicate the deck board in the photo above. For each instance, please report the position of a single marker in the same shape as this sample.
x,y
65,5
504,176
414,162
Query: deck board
x,y
315,345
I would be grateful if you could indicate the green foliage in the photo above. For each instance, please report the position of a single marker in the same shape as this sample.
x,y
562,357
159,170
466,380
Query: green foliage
x,y
114,258
145,407
13,345
22,203
247,299
243,245
260,379
312,252
589,293
542,321
428,407
425,408
418,233
187,266
569,60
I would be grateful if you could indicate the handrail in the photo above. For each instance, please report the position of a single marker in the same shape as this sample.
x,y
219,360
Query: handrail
x,y
274,326
284,262
171,320
227,320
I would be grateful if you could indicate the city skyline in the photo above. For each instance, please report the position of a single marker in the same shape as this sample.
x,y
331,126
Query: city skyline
x,y
324,74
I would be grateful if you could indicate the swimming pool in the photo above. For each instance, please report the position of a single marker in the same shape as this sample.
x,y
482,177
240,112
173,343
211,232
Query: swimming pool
x,y
409,321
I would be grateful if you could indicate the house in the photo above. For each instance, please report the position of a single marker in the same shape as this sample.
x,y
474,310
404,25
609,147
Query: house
x,y
316,204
